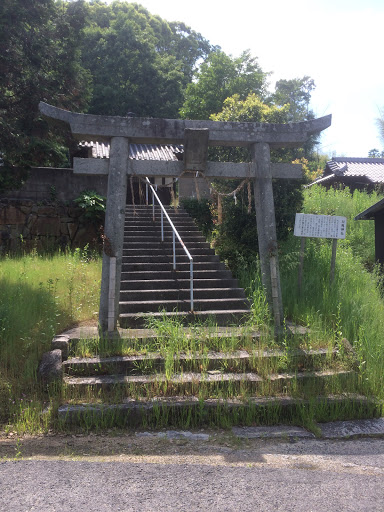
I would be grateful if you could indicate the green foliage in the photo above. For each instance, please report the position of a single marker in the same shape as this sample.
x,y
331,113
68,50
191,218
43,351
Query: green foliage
x,y
218,78
296,94
360,234
39,60
138,62
93,205
251,108
201,211
375,153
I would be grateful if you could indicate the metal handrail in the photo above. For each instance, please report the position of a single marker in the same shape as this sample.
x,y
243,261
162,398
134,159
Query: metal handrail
x,y
174,235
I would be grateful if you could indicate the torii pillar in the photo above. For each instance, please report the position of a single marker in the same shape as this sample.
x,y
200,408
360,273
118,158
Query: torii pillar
x,y
120,131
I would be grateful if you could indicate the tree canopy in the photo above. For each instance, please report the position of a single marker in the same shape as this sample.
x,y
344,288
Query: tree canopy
x,y
138,62
117,58
39,60
219,77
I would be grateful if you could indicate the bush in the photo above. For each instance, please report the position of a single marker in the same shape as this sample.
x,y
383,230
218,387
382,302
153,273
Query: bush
x,y
93,205
236,238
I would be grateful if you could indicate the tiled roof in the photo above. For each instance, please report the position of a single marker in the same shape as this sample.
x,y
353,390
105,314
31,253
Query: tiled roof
x,y
137,151
369,213
372,169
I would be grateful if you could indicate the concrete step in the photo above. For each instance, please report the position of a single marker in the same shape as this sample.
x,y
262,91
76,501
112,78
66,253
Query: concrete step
x,y
166,245
156,231
173,411
210,382
211,317
167,284
180,294
179,224
153,306
174,275
187,239
155,259
160,251
240,361
181,265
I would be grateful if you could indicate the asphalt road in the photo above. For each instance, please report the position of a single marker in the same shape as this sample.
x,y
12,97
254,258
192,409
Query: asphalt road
x,y
267,475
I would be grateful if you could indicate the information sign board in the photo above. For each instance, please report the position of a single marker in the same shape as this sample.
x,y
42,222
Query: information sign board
x,y
320,226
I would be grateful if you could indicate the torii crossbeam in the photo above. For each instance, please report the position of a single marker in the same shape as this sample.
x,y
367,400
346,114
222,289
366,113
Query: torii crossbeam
x,y
196,137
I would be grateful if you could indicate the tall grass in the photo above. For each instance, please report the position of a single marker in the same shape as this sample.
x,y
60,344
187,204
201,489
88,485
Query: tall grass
x,y
352,307
39,297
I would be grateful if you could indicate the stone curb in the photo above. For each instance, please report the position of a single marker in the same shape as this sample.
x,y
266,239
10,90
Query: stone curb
x,y
354,428
332,430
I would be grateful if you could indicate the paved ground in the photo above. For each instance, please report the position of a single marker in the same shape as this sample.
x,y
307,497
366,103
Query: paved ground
x,y
202,470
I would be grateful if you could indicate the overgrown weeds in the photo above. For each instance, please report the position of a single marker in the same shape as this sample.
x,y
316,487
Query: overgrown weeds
x,y
39,297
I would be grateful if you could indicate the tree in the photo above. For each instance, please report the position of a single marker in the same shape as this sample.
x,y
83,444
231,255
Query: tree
x,y
375,153
380,126
221,76
297,94
236,238
288,196
39,60
138,62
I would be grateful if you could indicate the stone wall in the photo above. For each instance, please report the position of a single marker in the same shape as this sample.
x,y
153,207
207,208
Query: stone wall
x,y
46,226
47,183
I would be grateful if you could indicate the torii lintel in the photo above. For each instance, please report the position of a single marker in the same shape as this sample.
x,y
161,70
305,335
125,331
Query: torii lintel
x,y
164,131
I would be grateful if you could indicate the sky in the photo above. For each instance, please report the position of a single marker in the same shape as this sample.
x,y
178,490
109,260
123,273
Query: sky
x,y
338,43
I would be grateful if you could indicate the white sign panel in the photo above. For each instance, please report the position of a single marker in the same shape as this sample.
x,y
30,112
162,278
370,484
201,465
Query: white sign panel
x,y
320,226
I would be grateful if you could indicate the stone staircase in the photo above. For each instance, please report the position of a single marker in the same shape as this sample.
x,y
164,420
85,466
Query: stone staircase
x,y
150,286
251,383
208,373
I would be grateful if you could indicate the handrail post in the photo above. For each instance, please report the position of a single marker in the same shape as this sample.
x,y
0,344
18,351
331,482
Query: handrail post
x,y
153,206
146,194
191,282
162,225
174,250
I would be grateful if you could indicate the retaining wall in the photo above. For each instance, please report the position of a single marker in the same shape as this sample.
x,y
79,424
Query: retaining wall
x,y
25,225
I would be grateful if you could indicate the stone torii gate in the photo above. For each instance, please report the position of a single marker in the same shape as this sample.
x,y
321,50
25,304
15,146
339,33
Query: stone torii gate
x,y
196,137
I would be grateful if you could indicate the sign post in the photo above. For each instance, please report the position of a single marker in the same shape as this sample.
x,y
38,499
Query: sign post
x,y
319,226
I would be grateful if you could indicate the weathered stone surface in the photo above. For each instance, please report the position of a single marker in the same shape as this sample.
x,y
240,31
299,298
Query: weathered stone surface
x,y
72,229
43,232
11,215
47,211
158,131
46,226
74,212
342,429
61,342
51,366
26,208
63,228
176,434
272,431
84,235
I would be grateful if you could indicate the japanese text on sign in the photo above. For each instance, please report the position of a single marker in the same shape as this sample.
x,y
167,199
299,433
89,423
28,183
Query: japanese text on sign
x,y
320,226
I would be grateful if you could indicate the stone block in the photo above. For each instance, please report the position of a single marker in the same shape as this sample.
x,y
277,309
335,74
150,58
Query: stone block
x,y
72,229
48,211
61,342
11,215
46,226
51,366
64,228
75,212
26,208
